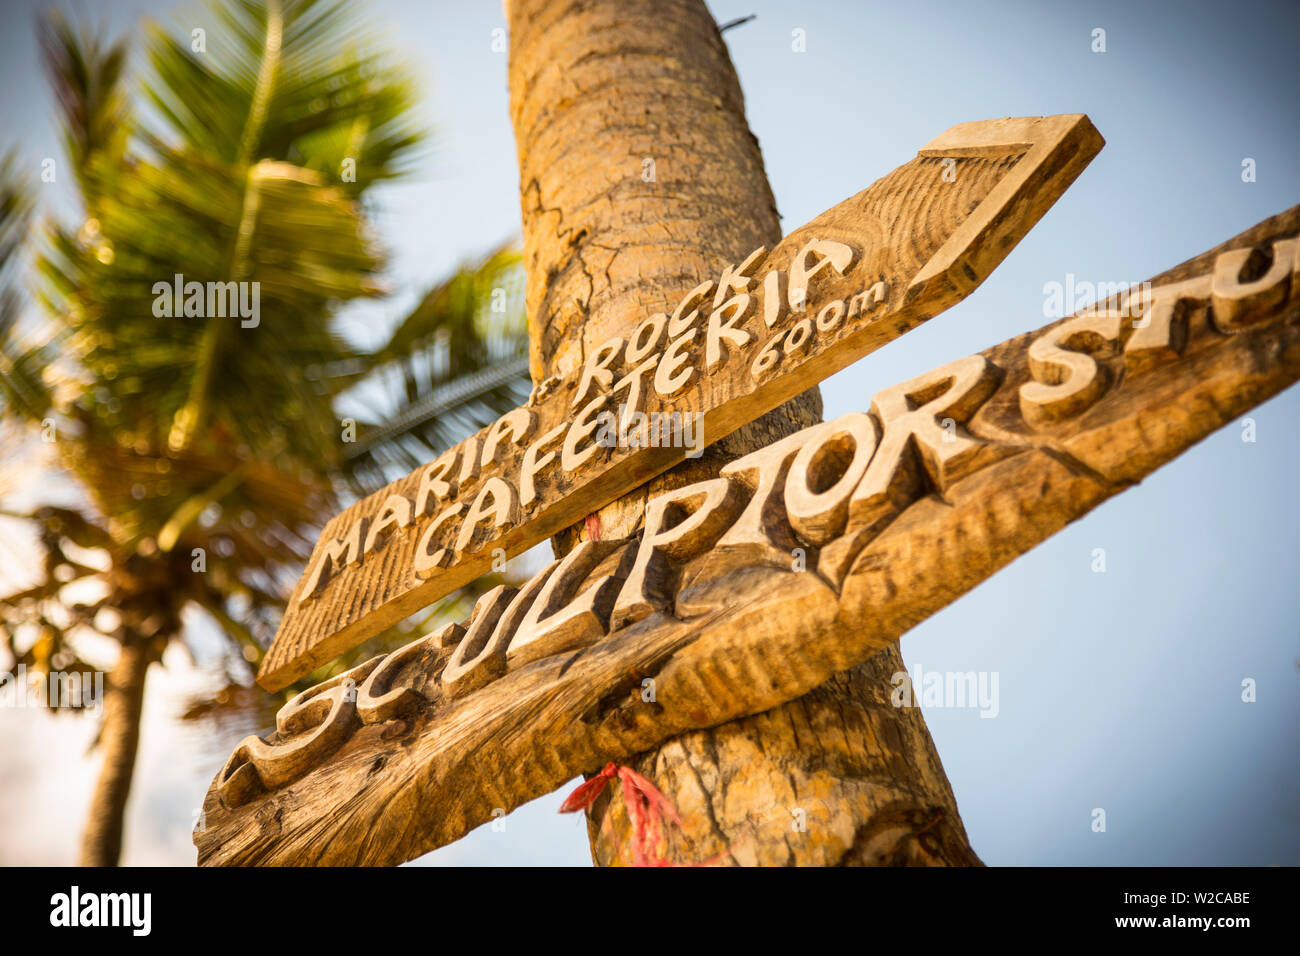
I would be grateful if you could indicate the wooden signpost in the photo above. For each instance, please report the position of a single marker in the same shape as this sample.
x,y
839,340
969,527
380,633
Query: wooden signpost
x,y
772,577
772,324
750,589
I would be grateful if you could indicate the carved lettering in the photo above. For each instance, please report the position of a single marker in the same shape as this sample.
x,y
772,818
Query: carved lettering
x,y
481,656
378,699
645,339
428,562
712,364
596,371
1238,302
825,472
515,425
473,663
774,294
571,459
668,380
560,621
678,525
816,255
683,319
909,416
761,534
635,394
866,300
1162,333
872,578
495,504
333,555
534,461
830,315
396,513
311,726
720,331
469,455
736,279
1067,380
434,485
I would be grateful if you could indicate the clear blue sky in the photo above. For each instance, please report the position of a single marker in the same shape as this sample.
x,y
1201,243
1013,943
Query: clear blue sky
x,y
1119,690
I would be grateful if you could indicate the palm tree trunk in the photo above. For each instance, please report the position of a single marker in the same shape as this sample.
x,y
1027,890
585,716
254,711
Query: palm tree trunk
x,y
119,738
640,179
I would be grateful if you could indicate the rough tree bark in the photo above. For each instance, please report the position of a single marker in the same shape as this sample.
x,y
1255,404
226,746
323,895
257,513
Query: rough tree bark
x,y
639,179
119,739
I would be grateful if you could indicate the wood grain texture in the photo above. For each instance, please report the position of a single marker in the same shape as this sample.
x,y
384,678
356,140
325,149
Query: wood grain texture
x,y
644,181
731,639
901,251
837,777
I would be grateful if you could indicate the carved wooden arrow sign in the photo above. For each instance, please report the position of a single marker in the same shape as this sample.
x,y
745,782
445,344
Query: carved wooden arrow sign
x,y
909,246
895,513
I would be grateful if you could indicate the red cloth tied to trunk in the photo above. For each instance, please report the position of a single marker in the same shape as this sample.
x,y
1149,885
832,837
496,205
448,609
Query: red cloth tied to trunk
x,y
646,808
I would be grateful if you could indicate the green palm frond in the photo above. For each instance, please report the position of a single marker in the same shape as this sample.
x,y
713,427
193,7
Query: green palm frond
x,y
23,391
203,441
86,77
206,441
318,94
454,364
237,177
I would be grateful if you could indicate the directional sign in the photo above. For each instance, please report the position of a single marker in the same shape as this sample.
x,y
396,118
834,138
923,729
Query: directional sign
x,y
771,324
709,614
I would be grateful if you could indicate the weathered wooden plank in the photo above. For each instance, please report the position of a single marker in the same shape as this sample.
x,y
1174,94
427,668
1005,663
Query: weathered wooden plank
x,y
901,251
895,514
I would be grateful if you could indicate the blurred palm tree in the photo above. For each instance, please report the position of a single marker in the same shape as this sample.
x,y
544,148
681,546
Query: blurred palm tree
x,y
208,450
